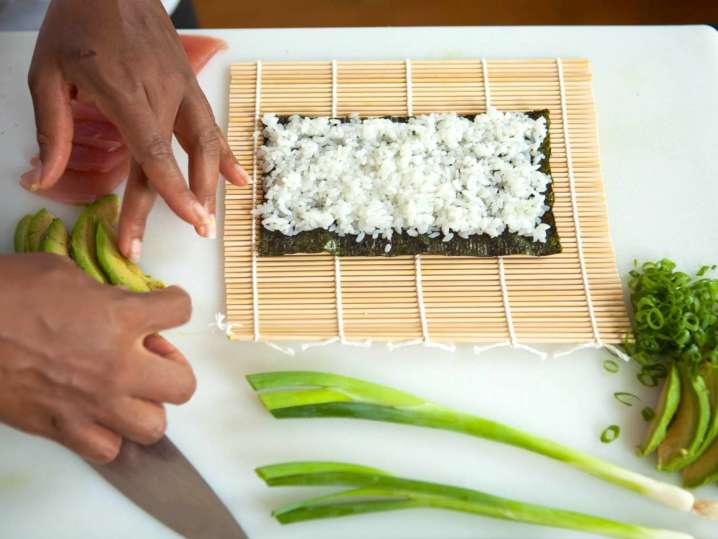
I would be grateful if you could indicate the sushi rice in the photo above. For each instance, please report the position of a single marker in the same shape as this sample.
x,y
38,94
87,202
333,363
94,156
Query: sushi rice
x,y
438,174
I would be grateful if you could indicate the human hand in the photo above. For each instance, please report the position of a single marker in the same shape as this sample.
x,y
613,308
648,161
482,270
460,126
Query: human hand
x,y
125,58
81,363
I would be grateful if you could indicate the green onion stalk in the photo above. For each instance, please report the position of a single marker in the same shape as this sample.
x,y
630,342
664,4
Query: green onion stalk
x,y
375,490
302,394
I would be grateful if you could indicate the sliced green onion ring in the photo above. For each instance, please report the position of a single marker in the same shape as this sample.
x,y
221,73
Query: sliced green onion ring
x,y
610,365
648,414
610,433
647,379
627,399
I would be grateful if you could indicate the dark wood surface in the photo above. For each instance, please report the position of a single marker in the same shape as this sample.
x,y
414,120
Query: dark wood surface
x,y
300,13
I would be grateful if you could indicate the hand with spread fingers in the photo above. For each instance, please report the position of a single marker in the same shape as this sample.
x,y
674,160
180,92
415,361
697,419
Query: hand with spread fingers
x,y
125,58
81,362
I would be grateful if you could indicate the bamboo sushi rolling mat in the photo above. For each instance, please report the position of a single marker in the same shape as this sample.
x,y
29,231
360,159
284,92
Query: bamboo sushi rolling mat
x,y
572,297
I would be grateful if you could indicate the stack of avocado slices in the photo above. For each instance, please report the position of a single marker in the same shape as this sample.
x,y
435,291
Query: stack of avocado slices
x,y
92,244
684,430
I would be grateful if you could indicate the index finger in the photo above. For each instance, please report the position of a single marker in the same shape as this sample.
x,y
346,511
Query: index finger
x,y
197,132
157,344
161,379
150,145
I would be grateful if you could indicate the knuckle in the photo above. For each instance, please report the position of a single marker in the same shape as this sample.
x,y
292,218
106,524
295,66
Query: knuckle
x,y
177,79
186,389
33,84
157,149
207,139
106,451
136,223
184,305
155,426
34,81
178,301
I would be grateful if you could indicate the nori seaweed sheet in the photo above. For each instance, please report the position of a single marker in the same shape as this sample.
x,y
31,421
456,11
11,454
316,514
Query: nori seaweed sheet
x,y
274,243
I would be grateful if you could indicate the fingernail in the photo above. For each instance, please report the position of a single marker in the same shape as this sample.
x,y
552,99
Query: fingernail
x,y
135,250
243,173
31,179
201,213
212,228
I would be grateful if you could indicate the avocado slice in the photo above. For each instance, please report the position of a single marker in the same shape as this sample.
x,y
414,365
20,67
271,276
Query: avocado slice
x,y
704,469
685,435
106,208
84,234
666,407
119,270
21,233
56,239
37,228
152,283
709,372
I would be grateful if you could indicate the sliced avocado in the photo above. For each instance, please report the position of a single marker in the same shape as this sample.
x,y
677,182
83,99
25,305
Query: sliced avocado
x,y
21,233
107,208
709,373
119,270
37,228
704,469
685,435
666,408
83,246
56,239
84,234
154,284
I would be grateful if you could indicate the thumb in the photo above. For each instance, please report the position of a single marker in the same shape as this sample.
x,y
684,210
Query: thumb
x,y
53,118
161,309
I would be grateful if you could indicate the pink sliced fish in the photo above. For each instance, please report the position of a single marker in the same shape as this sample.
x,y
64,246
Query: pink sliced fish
x,y
77,187
97,134
99,160
201,49
87,112
88,159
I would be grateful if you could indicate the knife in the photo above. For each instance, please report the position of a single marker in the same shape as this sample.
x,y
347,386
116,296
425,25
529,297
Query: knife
x,y
161,481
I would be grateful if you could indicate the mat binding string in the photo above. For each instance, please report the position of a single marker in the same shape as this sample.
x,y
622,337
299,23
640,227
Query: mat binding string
x,y
513,340
287,350
341,337
425,338
597,341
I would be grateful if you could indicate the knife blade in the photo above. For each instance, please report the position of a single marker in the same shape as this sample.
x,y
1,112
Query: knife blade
x,y
160,480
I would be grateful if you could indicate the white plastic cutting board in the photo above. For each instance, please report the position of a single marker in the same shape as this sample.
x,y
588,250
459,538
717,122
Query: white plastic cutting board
x,y
657,95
